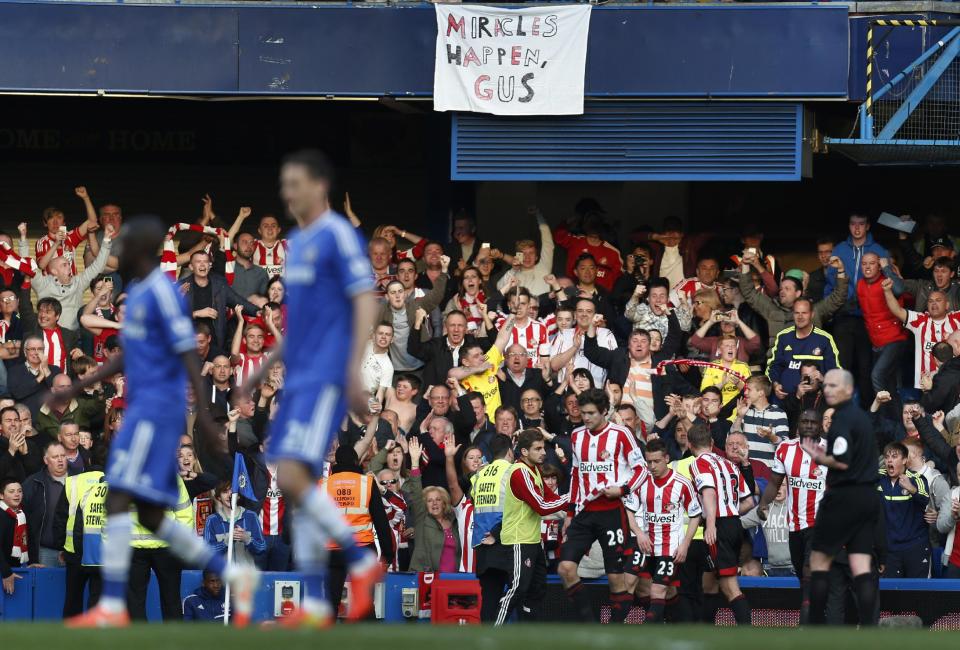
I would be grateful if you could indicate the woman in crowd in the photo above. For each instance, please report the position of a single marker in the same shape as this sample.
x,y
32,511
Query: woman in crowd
x,y
194,478
748,341
437,540
469,299
392,457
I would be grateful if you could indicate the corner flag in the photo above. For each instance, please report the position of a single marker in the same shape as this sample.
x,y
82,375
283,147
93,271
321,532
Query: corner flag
x,y
241,479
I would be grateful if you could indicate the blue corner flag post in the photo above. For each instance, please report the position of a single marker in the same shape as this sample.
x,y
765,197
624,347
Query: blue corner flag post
x,y
241,478
240,485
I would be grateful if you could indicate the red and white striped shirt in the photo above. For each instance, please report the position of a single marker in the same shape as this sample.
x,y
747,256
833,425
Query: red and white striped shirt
x,y
395,507
464,512
686,289
928,332
68,249
247,366
662,504
712,471
606,458
806,482
271,516
55,348
530,337
272,258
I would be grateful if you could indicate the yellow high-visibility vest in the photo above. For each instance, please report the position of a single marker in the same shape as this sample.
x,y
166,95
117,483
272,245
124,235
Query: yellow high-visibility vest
x,y
76,487
182,513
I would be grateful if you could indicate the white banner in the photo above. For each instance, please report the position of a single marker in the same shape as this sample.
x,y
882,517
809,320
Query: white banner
x,y
527,61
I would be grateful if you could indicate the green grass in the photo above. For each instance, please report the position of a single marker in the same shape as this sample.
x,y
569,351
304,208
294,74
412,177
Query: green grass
x,y
425,637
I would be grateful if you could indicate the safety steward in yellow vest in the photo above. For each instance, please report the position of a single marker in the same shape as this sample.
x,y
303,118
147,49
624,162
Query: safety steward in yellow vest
x,y
358,499
88,539
75,488
151,553
494,560
526,502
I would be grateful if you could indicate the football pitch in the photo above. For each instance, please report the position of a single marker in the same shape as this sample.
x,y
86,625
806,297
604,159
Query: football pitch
x,y
427,637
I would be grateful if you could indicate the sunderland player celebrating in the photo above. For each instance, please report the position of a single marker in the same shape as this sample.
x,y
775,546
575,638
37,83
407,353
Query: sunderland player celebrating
x,y
723,494
159,355
806,482
328,281
607,465
664,497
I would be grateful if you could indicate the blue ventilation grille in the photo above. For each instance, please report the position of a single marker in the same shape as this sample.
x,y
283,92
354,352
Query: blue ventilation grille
x,y
639,141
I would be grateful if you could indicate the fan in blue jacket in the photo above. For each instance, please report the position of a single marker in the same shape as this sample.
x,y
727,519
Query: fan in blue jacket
x,y
206,603
247,531
851,251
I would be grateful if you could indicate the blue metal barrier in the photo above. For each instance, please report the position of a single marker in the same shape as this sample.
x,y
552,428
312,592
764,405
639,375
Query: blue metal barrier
x,y
39,595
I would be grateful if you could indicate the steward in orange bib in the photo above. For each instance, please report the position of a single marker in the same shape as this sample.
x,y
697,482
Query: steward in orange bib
x,y
358,499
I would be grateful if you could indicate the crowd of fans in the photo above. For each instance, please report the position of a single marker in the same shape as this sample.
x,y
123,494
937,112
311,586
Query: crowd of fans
x,y
473,346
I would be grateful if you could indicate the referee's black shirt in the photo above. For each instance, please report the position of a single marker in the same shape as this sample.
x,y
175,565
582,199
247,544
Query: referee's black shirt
x,y
851,441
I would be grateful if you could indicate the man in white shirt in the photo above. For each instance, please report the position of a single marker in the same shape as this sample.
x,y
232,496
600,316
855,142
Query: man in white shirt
x,y
568,346
376,370
531,266
62,284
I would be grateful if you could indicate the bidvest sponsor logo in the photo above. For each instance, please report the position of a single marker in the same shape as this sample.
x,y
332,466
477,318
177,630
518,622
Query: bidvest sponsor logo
x,y
596,468
806,483
662,517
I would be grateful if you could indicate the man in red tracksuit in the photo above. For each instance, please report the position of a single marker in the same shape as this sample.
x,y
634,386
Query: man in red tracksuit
x,y
887,336
609,261
526,501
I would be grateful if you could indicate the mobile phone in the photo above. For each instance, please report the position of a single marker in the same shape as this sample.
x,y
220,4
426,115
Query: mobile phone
x,y
518,255
108,279
752,251
485,244
63,230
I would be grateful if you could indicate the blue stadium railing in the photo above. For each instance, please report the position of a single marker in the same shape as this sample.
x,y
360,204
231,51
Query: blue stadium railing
x,y
39,595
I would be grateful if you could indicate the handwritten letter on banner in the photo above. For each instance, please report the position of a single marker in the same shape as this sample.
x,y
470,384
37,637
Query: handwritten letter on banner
x,y
526,61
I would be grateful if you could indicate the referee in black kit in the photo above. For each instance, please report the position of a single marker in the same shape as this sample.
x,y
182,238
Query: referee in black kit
x,y
850,508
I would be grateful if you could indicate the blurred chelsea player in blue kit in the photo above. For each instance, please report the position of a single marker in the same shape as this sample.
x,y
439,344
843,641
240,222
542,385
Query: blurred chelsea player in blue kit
x,y
331,309
159,356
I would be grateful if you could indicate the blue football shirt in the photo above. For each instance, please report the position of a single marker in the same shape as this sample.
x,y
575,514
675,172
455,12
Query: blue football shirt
x,y
327,267
156,331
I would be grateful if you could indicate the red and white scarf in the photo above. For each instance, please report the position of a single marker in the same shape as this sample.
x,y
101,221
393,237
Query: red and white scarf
x,y
19,550
662,367
168,259
26,265
469,306
55,348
